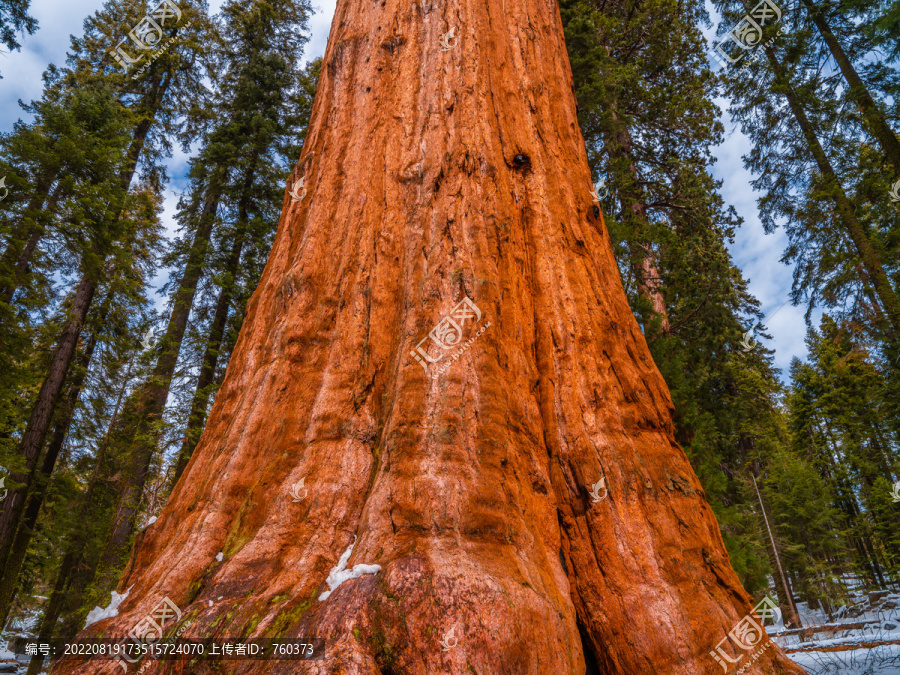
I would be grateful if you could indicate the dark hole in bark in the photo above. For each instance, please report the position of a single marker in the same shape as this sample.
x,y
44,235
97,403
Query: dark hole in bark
x,y
596,211
591,667
522,161
562,559
385,662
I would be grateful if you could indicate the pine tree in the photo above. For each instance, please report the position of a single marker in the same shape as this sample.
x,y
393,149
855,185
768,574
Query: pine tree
x,y
811,133
89,219
260,46
840,423
98,231
124,280
858,93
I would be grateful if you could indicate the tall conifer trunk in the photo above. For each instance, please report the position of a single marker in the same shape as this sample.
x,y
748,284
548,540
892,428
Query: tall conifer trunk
x,y
51,388
13,558
786,590
859,94
149,402
207,376
436,174
869,257
42,413
643,265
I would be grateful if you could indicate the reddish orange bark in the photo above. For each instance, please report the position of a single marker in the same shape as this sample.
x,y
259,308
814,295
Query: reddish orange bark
x,y
435,175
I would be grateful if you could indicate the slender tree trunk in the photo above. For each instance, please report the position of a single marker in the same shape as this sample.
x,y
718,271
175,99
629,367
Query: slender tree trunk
x,y
439,176
148,108
16,555
52,611
858,93
150,401
75,573
786,587
867,253
847,498
39,422
200,403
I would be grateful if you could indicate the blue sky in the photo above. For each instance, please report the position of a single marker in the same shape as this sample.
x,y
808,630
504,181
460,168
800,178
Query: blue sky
x,y
756,253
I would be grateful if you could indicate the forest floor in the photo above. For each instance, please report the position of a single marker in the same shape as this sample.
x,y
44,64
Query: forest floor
x,y
863,638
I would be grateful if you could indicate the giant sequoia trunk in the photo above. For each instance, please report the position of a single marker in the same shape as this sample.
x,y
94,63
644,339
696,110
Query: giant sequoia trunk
x,y
434,175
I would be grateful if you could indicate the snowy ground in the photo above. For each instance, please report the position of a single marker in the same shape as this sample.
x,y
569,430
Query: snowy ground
x,y
864,639
25,626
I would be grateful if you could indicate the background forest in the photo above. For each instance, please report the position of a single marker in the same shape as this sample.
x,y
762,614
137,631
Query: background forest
x,y
104,392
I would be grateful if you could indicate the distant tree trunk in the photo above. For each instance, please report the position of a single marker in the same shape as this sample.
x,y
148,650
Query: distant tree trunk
x,y
794,617
75,573
200,403
39,422
438,177
51,612
15,556
643,259
858,93
150,400
849,505
854,229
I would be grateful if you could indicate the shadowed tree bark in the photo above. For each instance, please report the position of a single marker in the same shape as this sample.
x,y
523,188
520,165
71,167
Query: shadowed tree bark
x,y
439,168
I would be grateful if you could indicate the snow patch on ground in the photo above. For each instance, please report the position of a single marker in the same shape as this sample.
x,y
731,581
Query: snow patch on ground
x,y
856,640
100,613
881,660
339,573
